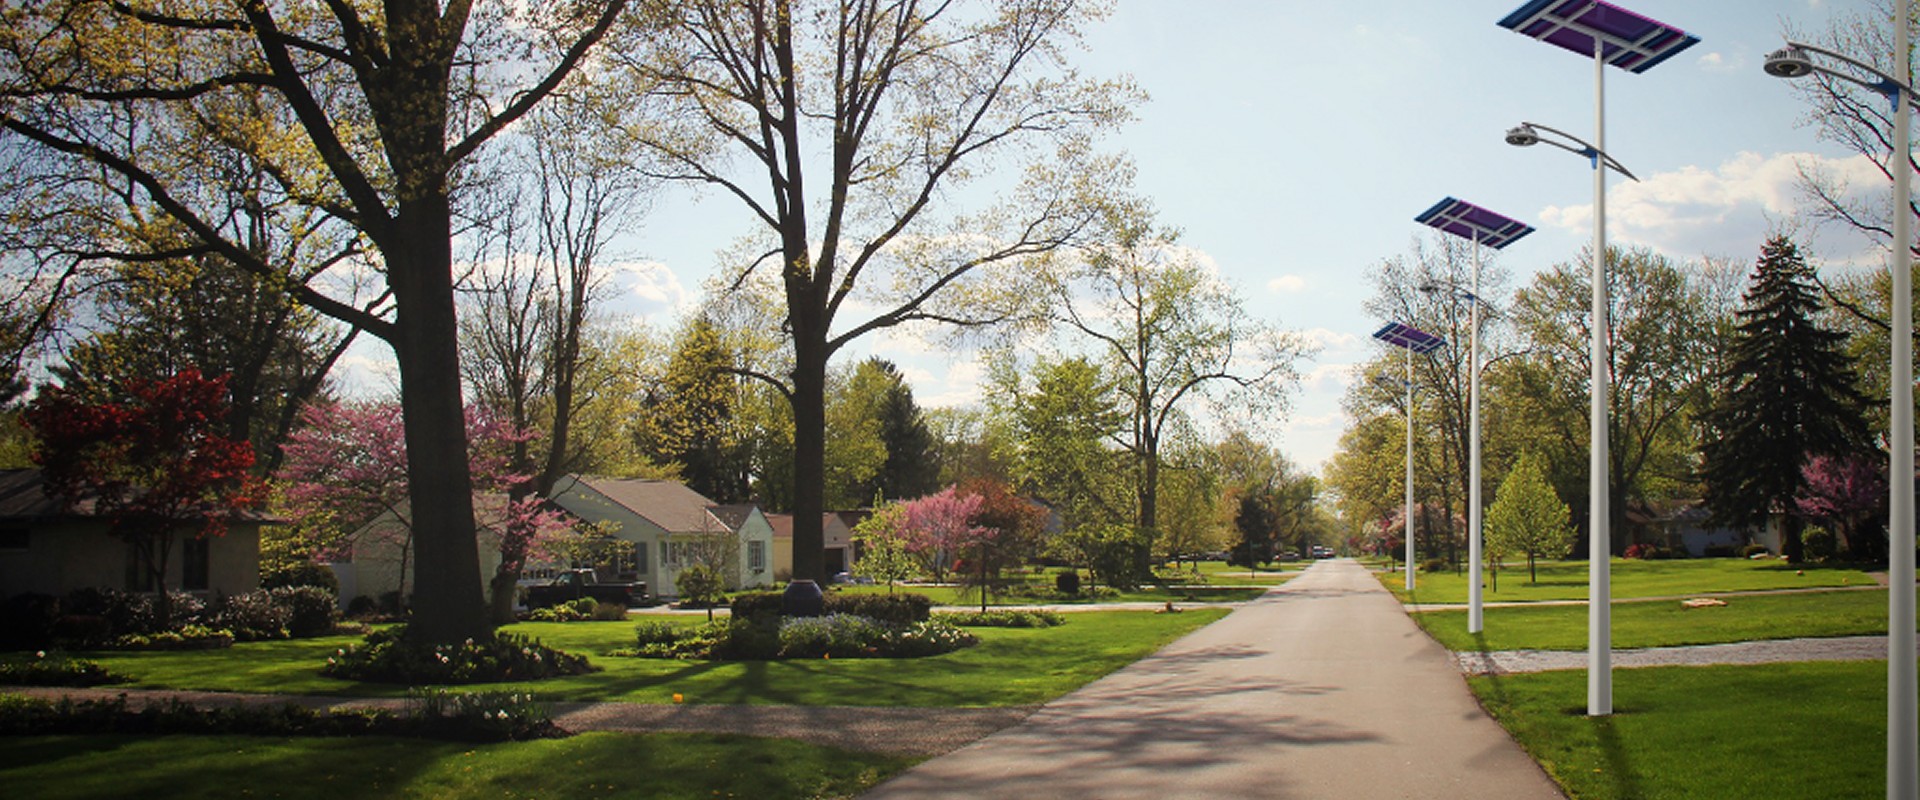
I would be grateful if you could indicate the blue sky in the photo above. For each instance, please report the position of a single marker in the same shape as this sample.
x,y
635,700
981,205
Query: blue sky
x,y
1294,142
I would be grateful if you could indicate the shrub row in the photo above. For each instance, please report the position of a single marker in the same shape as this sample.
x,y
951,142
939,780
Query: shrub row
x,y
830,636
94,618
1006,618
578,610
479,717
391,656
43,669
900,609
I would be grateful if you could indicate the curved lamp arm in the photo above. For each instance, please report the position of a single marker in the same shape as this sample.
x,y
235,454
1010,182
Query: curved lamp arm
x,y
1792,62
1527,134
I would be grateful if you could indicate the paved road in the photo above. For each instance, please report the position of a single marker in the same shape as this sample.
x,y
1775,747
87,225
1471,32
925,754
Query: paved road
x,y
1321,688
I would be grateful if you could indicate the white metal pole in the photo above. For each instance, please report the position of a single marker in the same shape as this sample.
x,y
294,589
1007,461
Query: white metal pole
x,y
1599,594
1474,616
1409,520
1903,719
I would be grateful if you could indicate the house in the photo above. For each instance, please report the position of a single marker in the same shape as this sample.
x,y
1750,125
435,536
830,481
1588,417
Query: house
x,y
838,528
665,527
378,554
46,548
1687,526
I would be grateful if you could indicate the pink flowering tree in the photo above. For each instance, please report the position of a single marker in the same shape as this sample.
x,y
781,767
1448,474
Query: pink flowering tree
x,y
940,528
1846,493
347,466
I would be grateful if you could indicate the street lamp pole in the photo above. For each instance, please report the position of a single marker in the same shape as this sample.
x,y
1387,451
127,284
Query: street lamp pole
x,y
1616,36
1413,340
1467,220
1903,698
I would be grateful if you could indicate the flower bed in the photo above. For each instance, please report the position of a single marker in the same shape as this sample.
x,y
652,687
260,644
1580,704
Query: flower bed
x,y
55,670
389,656
831,636
435,714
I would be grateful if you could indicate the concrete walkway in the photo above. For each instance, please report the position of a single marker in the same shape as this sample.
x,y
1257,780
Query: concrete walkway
x,y
1321,688
1768,651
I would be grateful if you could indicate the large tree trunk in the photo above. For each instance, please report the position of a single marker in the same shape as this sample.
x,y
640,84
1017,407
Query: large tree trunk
x,y
809,458
447,605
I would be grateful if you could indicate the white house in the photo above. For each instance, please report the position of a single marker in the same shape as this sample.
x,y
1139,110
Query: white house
x,y
667,524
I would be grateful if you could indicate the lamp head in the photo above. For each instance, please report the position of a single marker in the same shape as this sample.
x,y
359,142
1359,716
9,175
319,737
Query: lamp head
x,y
1523,135
1788,62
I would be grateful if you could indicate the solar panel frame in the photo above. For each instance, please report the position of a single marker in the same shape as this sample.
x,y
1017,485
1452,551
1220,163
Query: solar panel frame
x,y
1630,41
1464,219
1400,334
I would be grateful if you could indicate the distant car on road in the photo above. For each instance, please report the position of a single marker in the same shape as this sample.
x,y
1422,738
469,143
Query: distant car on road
x,y
1322,551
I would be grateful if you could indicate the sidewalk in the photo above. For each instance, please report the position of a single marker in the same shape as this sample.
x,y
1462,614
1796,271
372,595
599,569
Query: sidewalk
x,y
1321,688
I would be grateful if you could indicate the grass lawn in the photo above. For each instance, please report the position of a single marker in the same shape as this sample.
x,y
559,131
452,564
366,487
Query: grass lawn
x,y
1567,580
1814,729
954,596
1009,667
1660,623
590,765
1275,573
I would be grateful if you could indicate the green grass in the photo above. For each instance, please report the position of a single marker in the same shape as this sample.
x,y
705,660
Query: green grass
x,y
1567,580
1663,623
690,766
1275,573
954,596
1814,729
1009,667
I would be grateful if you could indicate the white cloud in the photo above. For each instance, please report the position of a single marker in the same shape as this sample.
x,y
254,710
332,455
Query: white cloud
x,y
1725,210
1329,340
655,286
1328,379
959,386
1721,62
1287,284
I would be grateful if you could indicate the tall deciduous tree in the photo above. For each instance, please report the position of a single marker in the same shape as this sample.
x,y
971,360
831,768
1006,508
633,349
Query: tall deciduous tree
x,y
1665,341
861,118
156,466
1528,516
155,319
1064,428
1786,395
1173,333
372,116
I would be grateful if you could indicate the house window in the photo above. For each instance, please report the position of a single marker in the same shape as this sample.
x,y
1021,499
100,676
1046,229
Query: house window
x,y
15,540
756,556
640,557
138,579
195,569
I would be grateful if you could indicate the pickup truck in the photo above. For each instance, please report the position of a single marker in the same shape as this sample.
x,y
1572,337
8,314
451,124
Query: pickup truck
x,y
574,584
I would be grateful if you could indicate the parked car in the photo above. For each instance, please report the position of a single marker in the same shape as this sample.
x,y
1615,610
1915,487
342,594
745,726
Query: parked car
x,y
574,584
1322,551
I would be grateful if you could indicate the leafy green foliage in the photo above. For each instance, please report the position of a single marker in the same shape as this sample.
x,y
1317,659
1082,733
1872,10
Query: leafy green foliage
x,y
1106,551
390,656
1010,618
1528,517
701,586
436,713
56,669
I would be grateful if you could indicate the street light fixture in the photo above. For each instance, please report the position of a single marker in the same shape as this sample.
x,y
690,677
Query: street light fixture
x,y
1467,220
1611,35
1413,340
1903,699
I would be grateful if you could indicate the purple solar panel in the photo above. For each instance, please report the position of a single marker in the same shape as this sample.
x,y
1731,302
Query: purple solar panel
x,y
1468,221
1400,334
1630,41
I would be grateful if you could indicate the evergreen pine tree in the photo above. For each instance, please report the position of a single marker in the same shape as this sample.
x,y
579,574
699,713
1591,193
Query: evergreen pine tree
x,y
1787,393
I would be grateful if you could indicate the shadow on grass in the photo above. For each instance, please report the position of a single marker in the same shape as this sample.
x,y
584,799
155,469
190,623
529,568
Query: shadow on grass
x,y
1619,770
